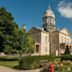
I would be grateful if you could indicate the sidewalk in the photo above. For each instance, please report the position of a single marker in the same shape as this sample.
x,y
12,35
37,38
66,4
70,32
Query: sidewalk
x,y
6,69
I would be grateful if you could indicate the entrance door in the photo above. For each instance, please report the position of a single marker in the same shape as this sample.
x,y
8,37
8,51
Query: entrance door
x,y
37,48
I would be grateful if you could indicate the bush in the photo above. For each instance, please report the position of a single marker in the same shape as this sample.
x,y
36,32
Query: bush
x,y
32,62
67,51
35,64
8,58
57,58
66,57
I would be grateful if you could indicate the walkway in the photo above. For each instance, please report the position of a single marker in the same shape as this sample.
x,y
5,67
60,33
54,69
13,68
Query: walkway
x,y
6,69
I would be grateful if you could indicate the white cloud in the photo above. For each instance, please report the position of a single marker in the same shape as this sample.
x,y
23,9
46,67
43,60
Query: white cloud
x,y
65,9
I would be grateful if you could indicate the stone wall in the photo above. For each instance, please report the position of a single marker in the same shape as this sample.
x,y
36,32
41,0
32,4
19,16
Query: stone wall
x,y
45,45
54,42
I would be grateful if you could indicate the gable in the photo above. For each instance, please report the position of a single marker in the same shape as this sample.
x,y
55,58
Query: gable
x,y
34,30
65,31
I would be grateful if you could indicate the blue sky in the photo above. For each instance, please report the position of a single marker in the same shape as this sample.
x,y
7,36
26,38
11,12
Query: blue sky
x,y
30,12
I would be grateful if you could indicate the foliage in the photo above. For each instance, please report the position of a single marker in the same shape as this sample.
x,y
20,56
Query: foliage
x,y
9,61
8,31
65,66
57,58
11,64
35,64
30,62
26,42
12,39
66,57
67,51
8,58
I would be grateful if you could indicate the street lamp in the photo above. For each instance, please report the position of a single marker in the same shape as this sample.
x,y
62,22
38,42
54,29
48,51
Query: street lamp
x,y
23,30
23,37
23,40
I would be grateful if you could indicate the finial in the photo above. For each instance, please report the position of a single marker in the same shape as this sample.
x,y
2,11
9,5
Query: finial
x,y
49,7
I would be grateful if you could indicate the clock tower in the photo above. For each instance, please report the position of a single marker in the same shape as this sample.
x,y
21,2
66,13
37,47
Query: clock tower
x,y
49,20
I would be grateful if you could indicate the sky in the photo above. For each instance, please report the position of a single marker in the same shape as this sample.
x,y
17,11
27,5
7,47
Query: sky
x,y
30,12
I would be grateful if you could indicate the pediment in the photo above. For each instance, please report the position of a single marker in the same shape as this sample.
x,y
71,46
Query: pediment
x,y
65,31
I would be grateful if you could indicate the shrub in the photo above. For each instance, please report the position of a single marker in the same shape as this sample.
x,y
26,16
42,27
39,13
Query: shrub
x,y
67,51
32,62
66,57
8,58
43,62
35,64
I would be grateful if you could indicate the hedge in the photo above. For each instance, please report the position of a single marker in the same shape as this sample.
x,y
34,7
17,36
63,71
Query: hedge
x,y
66,57
32,62
8,58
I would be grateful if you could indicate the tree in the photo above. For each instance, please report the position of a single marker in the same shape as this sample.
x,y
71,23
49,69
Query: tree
x,y
11,38
8,31
26,45
67,51
26,42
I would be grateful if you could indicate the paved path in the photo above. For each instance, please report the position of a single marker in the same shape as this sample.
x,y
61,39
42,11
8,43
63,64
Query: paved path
x,y
6,69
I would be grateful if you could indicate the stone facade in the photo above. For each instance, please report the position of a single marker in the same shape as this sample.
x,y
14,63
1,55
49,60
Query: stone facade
x,y
54,40
49,40
45,44
41,39
50,43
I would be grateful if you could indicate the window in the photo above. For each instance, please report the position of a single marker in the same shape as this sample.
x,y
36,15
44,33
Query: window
x,y
46,39
36,37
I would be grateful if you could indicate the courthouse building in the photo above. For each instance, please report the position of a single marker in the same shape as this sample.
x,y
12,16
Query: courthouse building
x,y
48,39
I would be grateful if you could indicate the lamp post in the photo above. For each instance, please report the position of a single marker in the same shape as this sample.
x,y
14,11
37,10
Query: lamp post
x,y
22,39
21,51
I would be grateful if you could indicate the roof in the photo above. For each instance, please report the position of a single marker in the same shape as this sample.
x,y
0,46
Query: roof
x,y
36,29
49,12
66,31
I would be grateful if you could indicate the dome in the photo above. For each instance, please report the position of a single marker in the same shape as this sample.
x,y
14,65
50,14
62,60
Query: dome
x,y
48,13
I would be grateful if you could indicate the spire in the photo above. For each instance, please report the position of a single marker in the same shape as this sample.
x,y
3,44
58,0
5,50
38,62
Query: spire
x,y
49,7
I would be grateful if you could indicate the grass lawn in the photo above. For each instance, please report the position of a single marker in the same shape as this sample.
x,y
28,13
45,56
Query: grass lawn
x,y
9,61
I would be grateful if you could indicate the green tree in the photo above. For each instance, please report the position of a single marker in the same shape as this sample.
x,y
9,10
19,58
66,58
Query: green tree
x,y
26,42
8,31
67,51
26,45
